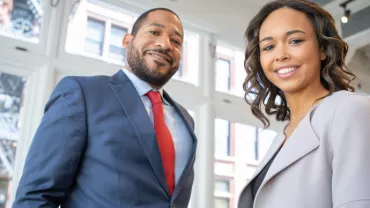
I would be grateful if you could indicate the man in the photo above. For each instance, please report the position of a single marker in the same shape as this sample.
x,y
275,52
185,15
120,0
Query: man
x,y
120,141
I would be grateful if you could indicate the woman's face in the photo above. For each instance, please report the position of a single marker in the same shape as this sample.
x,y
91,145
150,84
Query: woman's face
x,y
289,51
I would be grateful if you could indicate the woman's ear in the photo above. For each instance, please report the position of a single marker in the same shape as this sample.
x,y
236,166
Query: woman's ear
x,y
323,54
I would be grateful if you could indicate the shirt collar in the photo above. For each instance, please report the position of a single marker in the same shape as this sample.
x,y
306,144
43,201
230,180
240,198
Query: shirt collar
x,y
141,86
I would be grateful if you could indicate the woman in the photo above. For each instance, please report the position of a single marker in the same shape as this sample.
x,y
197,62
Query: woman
x,y
296,71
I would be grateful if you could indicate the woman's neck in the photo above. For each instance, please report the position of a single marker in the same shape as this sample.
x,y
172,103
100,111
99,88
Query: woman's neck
x,y
302,101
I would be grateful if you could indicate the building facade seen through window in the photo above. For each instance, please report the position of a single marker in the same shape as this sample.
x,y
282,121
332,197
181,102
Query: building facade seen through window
x,y
230,72
238,149
11,99
21,19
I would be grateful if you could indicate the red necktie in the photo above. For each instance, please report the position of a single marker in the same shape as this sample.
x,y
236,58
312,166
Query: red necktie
x,y
164,139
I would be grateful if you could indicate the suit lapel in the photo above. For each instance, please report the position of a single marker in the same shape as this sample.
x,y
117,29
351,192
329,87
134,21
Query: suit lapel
x,y
302,141
190,162
138,116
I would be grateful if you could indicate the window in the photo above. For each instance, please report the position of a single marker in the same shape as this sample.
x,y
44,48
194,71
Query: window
x,y
115,43
100,28
265,138
230,73
222,203
222,138
222,192
21,19
11,97
94,37
222,186
189,63
239,148
223,68
246,138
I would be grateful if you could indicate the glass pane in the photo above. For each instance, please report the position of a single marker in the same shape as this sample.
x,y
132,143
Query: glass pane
x,y
265,138
116,51
222,138
247,143
94,37
222,75
11,97
97,28
21,19
179,73
222,186
221,203
230,72
189,63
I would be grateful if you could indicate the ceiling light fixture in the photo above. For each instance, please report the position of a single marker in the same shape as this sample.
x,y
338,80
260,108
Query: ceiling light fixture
x,y
347,12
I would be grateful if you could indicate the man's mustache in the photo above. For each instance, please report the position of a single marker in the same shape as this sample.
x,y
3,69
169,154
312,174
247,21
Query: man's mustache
x,y
164,52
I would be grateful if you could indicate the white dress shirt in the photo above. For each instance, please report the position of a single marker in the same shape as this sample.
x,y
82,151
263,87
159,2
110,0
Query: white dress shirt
x,y
180,135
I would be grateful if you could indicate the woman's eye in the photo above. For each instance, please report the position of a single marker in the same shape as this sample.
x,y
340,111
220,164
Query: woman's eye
x,y
268,48
296,41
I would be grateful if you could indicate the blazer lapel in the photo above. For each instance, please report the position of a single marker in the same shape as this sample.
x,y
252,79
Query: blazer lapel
x,y
302,141
190,162
136,113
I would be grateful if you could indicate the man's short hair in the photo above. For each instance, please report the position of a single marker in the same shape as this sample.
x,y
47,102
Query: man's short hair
x,y
143,16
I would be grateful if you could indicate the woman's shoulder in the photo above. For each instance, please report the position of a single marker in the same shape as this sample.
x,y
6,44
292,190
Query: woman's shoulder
x,y
349,99
347,103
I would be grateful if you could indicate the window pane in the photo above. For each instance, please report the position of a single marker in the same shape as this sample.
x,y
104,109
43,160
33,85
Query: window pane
x,y
116,51
96,29
232,75
223,75
222,138
221,203
94,37
11,91
222,186
265,138
247,143
189,63
21,19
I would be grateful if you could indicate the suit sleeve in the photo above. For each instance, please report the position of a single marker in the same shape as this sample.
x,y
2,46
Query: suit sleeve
x,y
350,135
56,149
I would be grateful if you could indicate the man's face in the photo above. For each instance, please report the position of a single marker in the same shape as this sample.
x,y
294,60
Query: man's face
x,y
154,53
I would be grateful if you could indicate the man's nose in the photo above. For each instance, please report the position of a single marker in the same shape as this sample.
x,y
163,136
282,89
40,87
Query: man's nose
x,y
164,42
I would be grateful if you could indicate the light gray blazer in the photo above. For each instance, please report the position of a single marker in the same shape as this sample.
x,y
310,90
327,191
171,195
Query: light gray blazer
x,y
325,162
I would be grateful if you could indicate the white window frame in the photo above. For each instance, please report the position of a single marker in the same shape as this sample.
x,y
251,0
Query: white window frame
x,y
10,43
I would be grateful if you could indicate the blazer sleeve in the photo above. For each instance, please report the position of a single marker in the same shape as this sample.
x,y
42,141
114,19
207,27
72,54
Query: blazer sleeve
x,y
56,149
350,135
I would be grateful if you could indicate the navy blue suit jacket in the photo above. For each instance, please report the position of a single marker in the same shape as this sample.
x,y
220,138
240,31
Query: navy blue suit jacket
x,y
96,148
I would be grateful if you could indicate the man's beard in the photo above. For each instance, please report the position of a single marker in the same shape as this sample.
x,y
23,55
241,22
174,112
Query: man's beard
x,y
141,70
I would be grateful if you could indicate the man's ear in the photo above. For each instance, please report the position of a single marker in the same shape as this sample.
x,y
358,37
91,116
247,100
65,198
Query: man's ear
x,y
127,40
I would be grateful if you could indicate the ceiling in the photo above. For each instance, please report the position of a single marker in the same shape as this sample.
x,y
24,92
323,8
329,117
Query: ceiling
x,y
227,19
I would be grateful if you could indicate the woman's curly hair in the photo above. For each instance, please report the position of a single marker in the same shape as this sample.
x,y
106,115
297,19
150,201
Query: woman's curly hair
x,y
335,76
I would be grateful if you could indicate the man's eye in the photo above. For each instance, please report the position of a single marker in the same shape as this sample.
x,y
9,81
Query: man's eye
x,y
176,42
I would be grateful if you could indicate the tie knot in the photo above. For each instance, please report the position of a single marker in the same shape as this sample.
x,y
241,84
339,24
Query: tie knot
x,y
154,97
